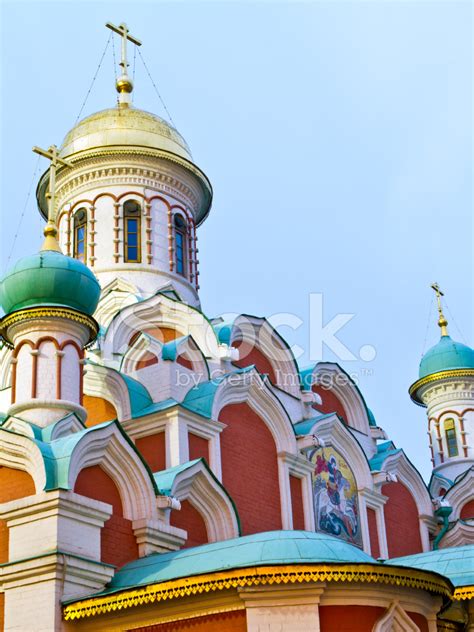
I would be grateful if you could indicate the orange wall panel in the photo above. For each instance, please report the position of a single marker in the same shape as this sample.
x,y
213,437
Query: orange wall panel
x,y
14,484
98,410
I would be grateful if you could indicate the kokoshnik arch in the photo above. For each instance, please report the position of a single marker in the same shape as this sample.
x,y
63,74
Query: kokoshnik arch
x,y
141,492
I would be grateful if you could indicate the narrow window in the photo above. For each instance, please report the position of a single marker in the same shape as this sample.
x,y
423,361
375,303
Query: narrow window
x,y
451,439
80,234
180,244
131,217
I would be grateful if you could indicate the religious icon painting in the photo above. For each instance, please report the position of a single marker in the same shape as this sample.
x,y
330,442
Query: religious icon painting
x,y
336,506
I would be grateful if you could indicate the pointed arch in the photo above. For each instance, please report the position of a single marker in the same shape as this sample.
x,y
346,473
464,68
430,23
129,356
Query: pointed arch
x,y
108,446
395,619
194,482
22,453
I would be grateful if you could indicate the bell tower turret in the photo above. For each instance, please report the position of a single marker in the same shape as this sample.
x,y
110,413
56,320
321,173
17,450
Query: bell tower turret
x,y
446,388
130,198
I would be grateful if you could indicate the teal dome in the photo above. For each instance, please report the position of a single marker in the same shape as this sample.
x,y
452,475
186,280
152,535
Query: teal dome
x,y
445,356
49,278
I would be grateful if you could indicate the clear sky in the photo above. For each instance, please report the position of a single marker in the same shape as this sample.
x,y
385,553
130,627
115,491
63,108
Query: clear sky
x,y
338,139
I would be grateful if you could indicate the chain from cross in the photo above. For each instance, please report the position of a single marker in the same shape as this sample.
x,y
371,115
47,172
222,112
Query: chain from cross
x,y
124,33
52,154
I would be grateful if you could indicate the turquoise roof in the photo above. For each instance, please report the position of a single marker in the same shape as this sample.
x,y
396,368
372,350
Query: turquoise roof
x,y
456,563
269,548
446,355
49,278
200,399
305,426
371,416
165,478
384,450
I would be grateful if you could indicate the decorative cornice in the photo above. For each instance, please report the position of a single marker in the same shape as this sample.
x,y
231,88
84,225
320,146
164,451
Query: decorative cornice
x,y
463,592
436,377
30,313
261,575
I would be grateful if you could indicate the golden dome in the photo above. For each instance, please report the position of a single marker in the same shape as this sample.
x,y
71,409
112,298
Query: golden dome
x,y
124,126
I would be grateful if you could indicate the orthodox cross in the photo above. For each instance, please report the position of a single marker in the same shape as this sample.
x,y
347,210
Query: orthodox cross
x,y
50,230
124,33
442,322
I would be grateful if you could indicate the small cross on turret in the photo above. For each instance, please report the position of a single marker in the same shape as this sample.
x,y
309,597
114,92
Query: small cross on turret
x,y
124,83
50,230
442,322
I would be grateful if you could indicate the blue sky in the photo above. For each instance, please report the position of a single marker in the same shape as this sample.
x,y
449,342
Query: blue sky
x,y
338,139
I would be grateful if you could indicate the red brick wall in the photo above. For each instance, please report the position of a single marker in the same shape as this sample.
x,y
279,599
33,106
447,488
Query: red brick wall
x,y
331,403
189,518
468,510
225,622
401,521
250,469
251,355
98,410
14,484
374,536
297,502
153,450
117,543
349,618
198,447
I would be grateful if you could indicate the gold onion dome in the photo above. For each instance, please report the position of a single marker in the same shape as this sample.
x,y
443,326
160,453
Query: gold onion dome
x,y
124,127
121,128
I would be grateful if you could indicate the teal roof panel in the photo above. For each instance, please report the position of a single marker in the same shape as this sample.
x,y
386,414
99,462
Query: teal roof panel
x,y
455,563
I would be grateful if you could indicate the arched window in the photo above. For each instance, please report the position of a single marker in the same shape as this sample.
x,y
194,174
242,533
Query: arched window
x,y
80,234
451,439
180,244
132,242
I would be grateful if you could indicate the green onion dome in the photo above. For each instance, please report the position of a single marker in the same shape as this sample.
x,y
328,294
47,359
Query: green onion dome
x,y
49,278
446,355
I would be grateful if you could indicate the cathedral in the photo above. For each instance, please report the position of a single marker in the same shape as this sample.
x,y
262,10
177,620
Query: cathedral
x,y
165,471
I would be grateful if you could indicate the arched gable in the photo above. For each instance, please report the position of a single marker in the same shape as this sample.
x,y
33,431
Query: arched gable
x,y
461,493
403,471
195,483
22,453
250,388
108,446
395,619
114,297
330,378
330,430
259,343
126,395
159,311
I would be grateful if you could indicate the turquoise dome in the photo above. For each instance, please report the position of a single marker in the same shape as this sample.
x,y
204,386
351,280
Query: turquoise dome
x,y
49,278
445,356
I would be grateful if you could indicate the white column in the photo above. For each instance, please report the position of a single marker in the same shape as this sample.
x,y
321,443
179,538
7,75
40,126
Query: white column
x,y
288,609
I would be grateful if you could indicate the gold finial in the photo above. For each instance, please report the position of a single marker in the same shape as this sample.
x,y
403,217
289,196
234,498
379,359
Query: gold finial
x,y
124,83
50,230
442,322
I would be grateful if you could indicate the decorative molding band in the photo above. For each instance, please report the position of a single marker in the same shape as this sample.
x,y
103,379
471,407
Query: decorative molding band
x,y
463,592
260,575
30,313
436,377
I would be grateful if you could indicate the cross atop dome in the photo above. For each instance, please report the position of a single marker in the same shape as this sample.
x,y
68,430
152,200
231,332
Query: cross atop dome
x,y
50,230
124,83
442,322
